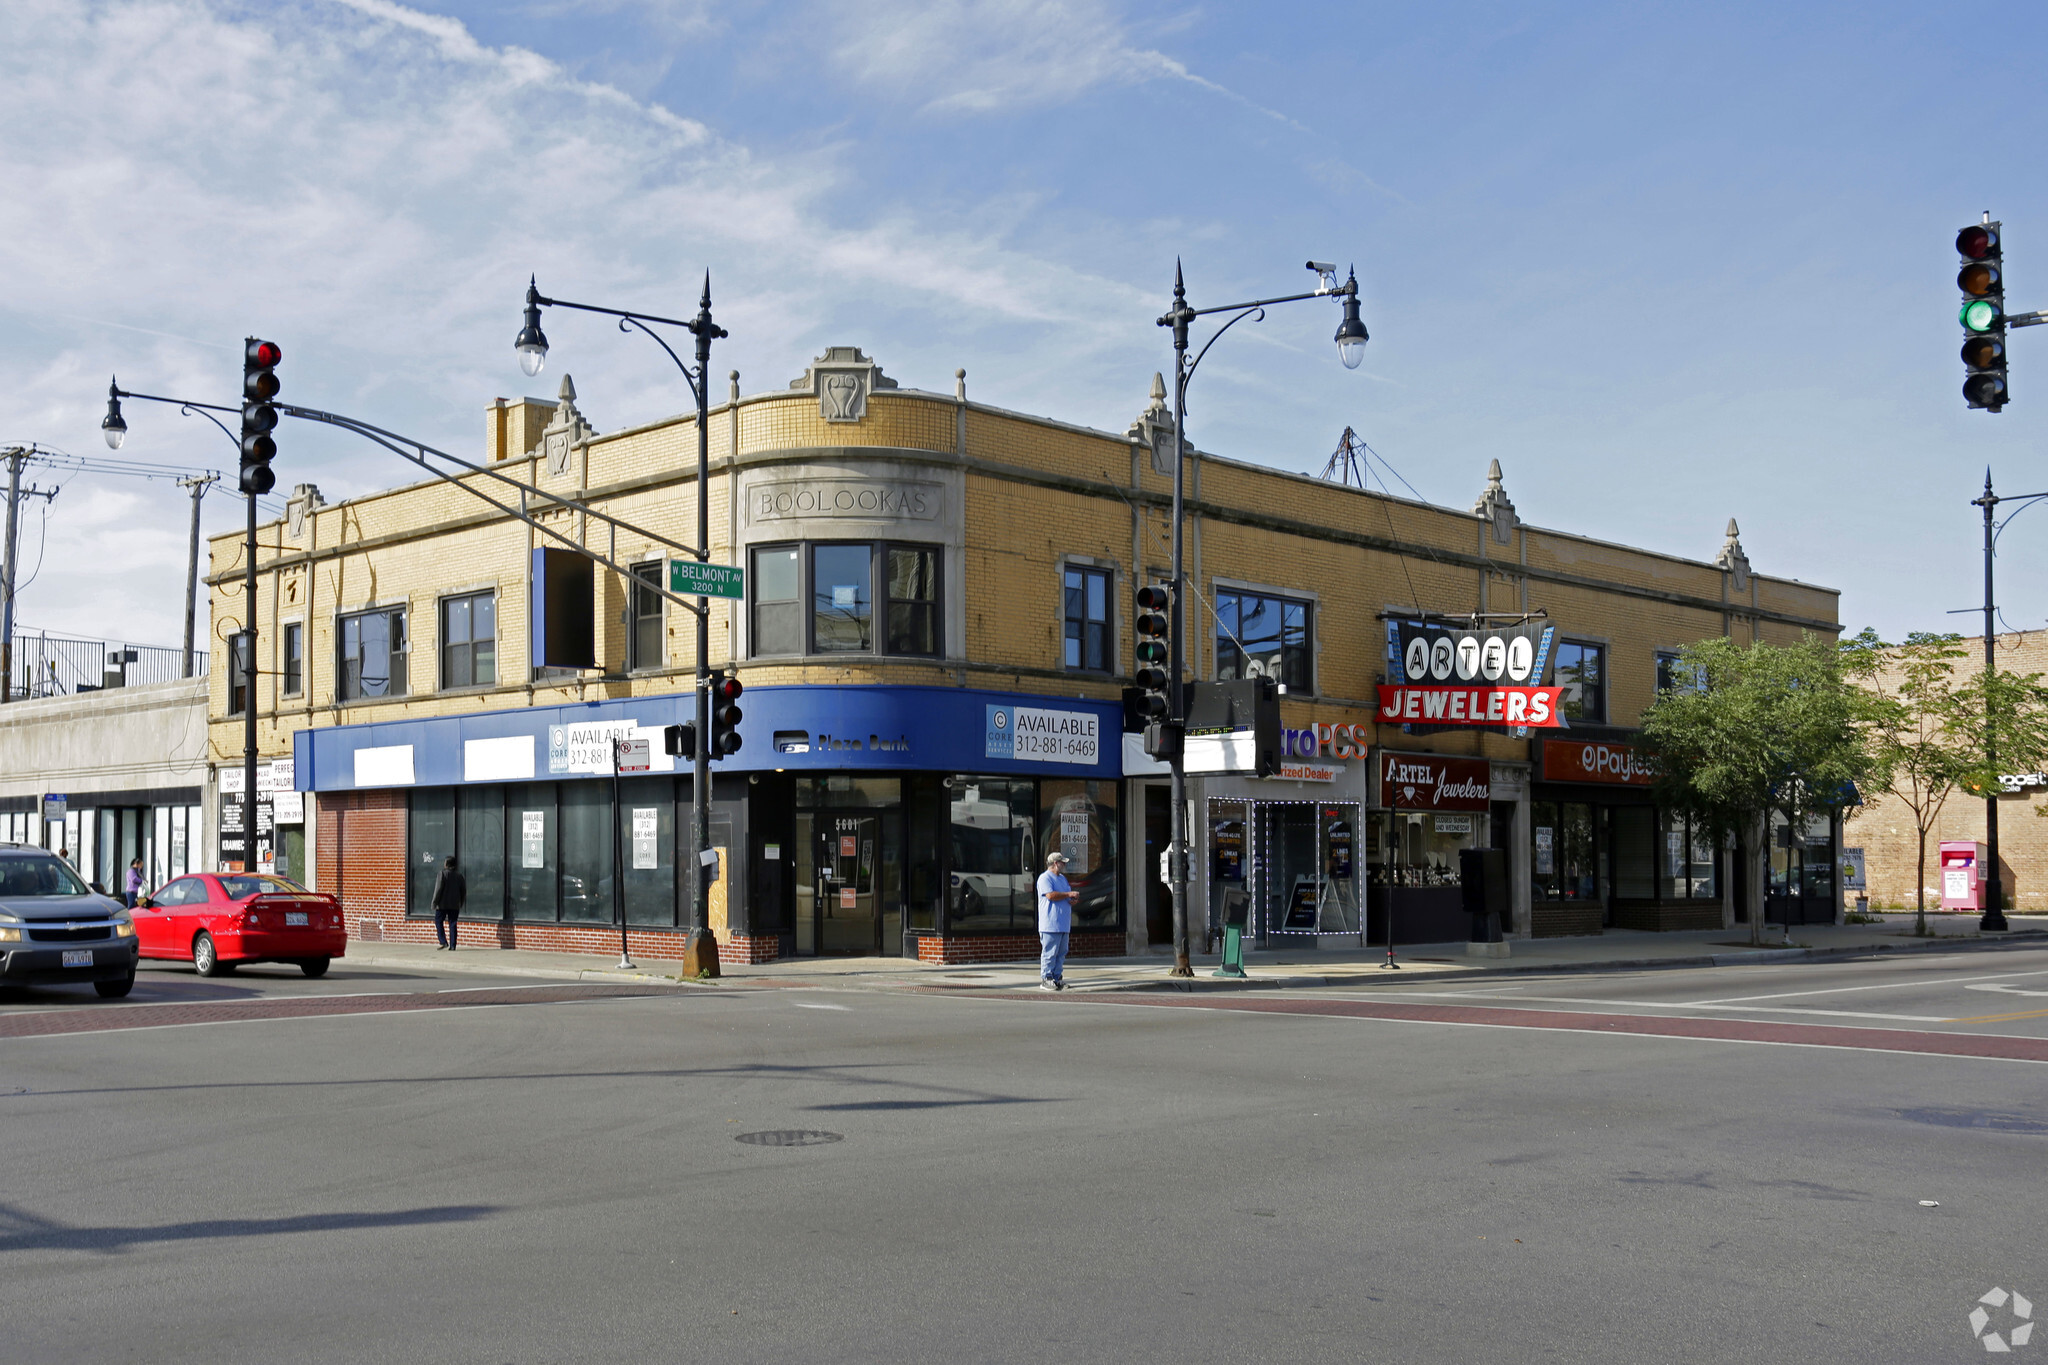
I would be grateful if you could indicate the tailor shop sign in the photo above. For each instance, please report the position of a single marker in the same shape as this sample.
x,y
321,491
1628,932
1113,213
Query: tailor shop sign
x,y
1473,677
1428,782
1622,765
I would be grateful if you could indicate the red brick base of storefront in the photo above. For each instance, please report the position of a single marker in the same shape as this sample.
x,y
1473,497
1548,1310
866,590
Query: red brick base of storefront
x,y
595,939
955,949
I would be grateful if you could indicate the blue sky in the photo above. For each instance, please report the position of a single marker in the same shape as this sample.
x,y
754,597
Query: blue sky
x,y
1668,264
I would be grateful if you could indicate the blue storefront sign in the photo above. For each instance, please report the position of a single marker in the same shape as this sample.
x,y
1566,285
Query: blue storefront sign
x,y
797,729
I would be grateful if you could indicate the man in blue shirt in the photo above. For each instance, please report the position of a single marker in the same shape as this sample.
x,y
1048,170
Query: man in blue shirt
x,y
1055,921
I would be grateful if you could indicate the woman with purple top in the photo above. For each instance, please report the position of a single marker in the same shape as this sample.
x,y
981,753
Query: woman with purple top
x,y
134,890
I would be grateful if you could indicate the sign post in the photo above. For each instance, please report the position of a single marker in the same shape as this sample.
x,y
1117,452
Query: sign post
x,y
628,756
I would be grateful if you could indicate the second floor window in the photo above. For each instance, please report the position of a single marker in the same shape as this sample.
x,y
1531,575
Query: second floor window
x,y
839,582
643,648
1582,672
1087,617
1260,636
372,655
294,659
469,640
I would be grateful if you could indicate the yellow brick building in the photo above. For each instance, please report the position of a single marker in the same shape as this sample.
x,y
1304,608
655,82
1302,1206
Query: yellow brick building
x,y
925,572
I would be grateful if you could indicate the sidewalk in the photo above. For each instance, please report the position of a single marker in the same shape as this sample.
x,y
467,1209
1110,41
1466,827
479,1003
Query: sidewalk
x,y
1616,950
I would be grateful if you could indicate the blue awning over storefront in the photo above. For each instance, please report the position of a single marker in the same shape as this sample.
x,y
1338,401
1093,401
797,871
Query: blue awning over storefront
x,y
800,729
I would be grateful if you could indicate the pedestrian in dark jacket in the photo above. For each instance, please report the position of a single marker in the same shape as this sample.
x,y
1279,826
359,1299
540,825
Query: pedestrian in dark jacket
x,y
450,891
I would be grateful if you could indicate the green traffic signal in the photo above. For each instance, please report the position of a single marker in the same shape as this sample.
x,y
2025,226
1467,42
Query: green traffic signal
x,y
1980,315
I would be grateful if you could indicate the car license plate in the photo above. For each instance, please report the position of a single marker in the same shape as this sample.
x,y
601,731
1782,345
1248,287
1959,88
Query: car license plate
x,y
78,957
292,917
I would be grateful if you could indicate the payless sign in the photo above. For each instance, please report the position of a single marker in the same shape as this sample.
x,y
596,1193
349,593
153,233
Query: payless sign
x,y
1427,782
1624,765
1452,676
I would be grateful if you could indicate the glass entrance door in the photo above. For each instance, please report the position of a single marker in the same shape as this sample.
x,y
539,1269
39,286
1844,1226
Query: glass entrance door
x,y
854,905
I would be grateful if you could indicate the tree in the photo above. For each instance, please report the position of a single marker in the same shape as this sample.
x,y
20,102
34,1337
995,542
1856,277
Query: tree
x,y
1756,729
1928,726
1925,742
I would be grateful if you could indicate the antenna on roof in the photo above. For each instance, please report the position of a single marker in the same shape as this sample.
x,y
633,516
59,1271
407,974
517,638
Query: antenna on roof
x,y
1343,463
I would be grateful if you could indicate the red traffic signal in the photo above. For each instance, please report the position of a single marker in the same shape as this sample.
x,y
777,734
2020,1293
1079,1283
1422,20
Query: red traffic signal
x,y
725,715
1977,241
261,355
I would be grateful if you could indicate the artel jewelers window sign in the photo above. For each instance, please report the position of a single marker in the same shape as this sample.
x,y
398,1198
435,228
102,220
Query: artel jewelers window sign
x,y
1457,676
1429,782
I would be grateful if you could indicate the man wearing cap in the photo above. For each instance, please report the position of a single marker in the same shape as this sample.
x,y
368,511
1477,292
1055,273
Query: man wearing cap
x,y
1055,920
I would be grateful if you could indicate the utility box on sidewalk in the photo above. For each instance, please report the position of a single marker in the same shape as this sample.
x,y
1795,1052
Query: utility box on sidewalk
x,y
1962,875
1483,880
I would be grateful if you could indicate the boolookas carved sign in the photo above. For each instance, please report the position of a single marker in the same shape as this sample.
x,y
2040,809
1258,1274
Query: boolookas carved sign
x,y
1534,707
1427,782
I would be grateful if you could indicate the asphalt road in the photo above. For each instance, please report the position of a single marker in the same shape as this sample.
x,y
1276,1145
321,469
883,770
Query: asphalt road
x,y
383,1166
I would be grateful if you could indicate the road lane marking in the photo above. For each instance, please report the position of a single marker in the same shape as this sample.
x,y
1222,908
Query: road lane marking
x,y
1662,1005
1877,986
2001,1018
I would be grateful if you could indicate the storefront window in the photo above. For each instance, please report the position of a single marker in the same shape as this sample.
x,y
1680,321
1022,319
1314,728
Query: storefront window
x,y
648,833
1565,865
587,852
995,855
480,850
1426,846
1230,862
532,839
1079,818
1307,856
429,837
1690,861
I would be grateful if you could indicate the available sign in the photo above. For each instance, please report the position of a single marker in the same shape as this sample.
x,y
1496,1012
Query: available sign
x,y
1037,735
1429,782
707,580
1584,761
1534,707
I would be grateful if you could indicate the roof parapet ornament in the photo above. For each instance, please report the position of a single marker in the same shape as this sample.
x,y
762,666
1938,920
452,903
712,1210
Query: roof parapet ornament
x,y
1732,561
1495,506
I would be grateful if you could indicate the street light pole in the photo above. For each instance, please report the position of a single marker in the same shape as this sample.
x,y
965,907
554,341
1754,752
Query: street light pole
x,y
1351,338
1994,908
700,947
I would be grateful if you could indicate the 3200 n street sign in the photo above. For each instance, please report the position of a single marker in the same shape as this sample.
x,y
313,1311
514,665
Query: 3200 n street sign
x,y
707,580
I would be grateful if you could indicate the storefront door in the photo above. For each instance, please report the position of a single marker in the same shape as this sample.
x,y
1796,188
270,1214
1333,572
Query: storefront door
x,y
849,865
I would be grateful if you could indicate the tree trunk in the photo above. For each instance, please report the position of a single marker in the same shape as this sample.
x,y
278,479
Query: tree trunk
x,y
1920,887
1755,852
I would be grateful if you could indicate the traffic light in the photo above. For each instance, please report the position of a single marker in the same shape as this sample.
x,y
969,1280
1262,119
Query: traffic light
x,y
725,715
679,741
259,418
1981,278
1162,735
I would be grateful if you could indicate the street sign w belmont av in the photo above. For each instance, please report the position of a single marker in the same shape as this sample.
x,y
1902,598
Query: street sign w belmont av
x,y
707,580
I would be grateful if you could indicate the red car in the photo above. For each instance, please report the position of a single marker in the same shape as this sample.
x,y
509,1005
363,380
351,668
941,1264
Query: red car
x,y
217,920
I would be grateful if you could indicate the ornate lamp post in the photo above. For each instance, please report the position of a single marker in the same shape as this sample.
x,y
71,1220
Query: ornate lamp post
x,y
1351,338
700,950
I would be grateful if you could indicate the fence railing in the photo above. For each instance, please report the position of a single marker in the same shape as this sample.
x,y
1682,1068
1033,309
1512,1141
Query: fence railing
x,y
51,666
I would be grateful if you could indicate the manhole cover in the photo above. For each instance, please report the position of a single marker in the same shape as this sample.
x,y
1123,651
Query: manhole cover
x,y
789,1137
1976,1118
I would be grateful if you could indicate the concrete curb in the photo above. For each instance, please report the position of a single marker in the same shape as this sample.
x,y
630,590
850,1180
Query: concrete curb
x,y
480,965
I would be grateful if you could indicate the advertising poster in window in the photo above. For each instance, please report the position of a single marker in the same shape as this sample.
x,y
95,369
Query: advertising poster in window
x,y
1546,858
1074,837
646,853
1226,843
1340,853
533,830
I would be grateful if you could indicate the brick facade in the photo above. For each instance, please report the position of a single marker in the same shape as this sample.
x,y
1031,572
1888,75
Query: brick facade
x,y
960,949
1883,828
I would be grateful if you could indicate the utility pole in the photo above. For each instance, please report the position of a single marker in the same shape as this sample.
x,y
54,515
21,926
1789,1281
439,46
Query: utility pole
x,y
17,456
198,484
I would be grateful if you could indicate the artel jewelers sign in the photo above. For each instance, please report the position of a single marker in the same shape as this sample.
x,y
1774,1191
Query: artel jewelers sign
x,y
1451,675
1428,782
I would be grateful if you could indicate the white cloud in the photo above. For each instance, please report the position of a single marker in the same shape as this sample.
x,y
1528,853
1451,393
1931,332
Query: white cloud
x,y
978,56
370,186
